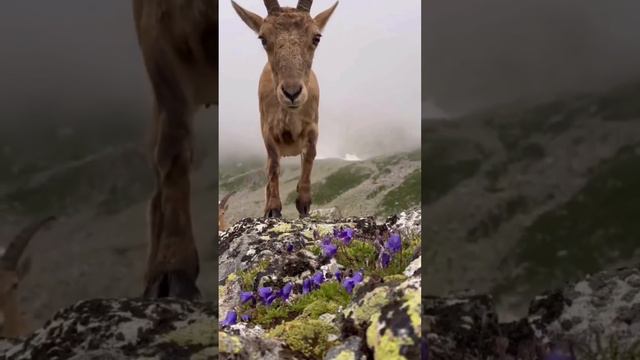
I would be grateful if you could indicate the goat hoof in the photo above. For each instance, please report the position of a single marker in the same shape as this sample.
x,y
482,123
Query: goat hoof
x,y
303,207
273,213
176,284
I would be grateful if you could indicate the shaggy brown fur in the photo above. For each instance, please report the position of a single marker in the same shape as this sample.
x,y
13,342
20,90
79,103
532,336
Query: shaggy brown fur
x,y
10,275
223,205
179,44
288,93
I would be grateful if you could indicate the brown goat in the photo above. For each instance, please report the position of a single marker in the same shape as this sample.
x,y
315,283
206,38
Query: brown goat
x,y
288,93
223,205
179,44
10,275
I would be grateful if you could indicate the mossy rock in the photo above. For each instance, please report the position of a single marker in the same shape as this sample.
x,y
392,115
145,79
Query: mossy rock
x,y
308,336
319,307
198,333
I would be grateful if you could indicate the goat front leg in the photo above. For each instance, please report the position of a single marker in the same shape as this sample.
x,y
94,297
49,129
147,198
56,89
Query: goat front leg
x,y
273,207
303,202
172,266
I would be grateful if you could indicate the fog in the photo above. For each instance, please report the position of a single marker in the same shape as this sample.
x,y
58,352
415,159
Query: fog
x,y
477,53
74,58
368,67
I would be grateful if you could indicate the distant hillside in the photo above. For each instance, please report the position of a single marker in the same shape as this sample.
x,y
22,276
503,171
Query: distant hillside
x,y
381,186
518,200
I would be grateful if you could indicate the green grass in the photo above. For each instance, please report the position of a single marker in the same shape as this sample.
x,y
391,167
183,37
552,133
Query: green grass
x,y
403,196
527,152
492,222
250,181
336,184
328,298
597,226
446,165
376,191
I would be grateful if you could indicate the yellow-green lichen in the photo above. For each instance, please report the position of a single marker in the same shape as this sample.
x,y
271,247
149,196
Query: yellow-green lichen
x,y
346,355
197,333
232,277
248,276
372,330
413,302
308,234
308,336
371,304
229,344
385,346
324,229
282,228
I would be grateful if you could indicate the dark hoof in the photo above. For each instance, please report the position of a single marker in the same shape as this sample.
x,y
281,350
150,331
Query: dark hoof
x,y
304,207
176,284
273,213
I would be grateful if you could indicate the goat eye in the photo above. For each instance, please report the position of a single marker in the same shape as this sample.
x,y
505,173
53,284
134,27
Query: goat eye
x,y
316,40
263,40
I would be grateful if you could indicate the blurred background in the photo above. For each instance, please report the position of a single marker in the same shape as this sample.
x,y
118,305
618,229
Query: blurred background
x,y
75,105
531,138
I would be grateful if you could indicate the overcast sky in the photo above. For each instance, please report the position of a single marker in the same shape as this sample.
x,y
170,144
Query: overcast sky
x,y
368,67
477,53
81,56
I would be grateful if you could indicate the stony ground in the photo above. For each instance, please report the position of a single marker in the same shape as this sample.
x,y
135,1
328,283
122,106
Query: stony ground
x,y
320,317
123,329
595,318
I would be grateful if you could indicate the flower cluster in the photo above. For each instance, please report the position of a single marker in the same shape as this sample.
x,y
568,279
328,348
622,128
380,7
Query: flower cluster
x,y
342,237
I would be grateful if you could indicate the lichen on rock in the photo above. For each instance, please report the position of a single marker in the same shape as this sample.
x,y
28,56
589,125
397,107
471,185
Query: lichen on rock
x,y
336,280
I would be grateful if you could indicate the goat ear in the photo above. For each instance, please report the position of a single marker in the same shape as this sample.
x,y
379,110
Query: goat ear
x,y
323,18
254,21
24,267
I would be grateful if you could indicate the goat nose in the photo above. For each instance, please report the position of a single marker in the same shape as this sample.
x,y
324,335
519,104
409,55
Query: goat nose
x,y
291,91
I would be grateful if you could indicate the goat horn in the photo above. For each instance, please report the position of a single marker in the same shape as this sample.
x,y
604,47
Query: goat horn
x,y
272,6
9,261
305,5
224,200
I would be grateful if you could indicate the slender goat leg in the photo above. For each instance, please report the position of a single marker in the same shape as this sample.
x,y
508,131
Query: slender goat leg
x,y
273,208
172,267
303,202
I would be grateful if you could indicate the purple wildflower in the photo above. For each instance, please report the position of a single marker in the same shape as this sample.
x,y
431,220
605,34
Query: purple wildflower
x,y
289,247
306,286
245,317
346,236
231,319
338,275
358,277
246,296
265,293
394,243
326,240
318,279
271,298
348,284
329,250
385,259
286,291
